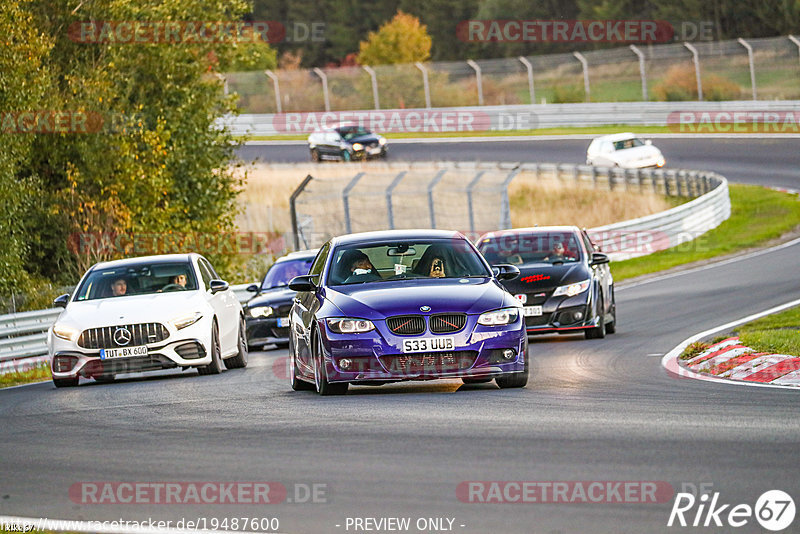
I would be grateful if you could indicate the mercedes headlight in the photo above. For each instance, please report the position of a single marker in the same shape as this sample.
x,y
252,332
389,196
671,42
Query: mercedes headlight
x,y
358,146
261,311
182,321
572,289
66,332
347,325
499,317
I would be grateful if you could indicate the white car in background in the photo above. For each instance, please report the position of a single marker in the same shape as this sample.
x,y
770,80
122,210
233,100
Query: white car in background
x,y
145,314
624,150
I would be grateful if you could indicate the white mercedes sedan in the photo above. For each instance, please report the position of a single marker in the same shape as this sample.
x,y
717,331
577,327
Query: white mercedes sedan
x,y
146,314
624,150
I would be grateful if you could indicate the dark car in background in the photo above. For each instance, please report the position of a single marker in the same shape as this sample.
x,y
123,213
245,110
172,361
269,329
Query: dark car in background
x,y
565,284
346,142
267,313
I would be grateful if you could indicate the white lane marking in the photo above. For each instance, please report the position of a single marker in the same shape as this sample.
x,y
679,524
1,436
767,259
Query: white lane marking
x,y
761,252
670,360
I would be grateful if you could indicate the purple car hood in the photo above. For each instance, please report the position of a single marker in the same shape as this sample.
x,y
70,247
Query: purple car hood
x,y
378,300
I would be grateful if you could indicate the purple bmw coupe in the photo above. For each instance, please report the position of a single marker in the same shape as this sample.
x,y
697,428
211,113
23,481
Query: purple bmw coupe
x,y
383,307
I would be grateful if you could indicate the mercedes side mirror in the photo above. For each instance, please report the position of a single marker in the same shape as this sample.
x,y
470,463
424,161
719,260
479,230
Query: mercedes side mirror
x,y
61,301
217,285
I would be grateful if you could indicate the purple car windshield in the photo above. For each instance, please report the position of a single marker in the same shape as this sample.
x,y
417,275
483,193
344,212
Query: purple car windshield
x,y
443,258
283,271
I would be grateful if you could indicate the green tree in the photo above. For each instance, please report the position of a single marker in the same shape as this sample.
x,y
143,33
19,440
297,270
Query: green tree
x,y
401,40
23,87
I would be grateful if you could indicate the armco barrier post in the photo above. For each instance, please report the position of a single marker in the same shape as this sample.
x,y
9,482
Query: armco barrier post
x,y
696,60
642,71
431,207
324,78
271,75
478,79
425,85
374,79
752,65
585,65
505,210
529,68
469,189
346,201
293,209
389,190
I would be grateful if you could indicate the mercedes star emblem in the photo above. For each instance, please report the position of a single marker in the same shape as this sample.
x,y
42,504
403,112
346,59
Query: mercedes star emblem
x,y
122,336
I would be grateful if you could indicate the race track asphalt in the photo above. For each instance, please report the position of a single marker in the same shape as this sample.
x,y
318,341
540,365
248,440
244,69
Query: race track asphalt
x,y
594,410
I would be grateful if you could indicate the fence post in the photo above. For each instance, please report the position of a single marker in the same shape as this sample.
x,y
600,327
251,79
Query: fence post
x,y
796,41
529,68
372,75
752,65
642,71
272,76
324,79
585,65
425,85
505,210
478,78
470,187
431,209
346,200
389,191
293,209
696,60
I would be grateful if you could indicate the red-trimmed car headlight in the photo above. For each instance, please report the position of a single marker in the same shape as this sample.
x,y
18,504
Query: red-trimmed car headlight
x,y
349,325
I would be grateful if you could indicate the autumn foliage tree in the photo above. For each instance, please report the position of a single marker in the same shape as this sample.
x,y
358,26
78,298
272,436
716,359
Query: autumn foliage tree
x,y
401,40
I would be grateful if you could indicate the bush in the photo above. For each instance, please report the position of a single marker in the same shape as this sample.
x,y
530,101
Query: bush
x,y
680,84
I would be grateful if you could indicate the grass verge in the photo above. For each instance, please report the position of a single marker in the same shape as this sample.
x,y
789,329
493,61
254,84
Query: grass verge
x,y
778,333
39,373
758,215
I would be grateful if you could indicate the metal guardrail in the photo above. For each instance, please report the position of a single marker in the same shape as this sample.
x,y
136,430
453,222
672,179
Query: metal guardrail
x,y
503,118
23,336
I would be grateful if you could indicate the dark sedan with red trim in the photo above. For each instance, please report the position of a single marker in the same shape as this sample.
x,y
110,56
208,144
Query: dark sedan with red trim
x,y
565,284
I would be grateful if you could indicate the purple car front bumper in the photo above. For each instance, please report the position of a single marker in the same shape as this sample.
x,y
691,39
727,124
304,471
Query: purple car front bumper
x,y
377,356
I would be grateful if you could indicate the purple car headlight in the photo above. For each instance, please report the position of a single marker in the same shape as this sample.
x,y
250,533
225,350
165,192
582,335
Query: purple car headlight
x,y
348,325
499,317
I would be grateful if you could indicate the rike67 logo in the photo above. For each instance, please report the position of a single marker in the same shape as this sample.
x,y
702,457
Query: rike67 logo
x,y
774,510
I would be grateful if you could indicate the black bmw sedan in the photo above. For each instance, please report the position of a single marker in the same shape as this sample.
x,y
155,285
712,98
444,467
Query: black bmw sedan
x,y
346,142
565,284
267,313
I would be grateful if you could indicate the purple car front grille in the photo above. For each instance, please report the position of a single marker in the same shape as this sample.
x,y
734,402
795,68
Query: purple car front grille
x,y
429,362
452,322
406,325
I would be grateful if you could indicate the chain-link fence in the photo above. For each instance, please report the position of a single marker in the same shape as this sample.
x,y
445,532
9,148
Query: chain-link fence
x,y
765,69
473,199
